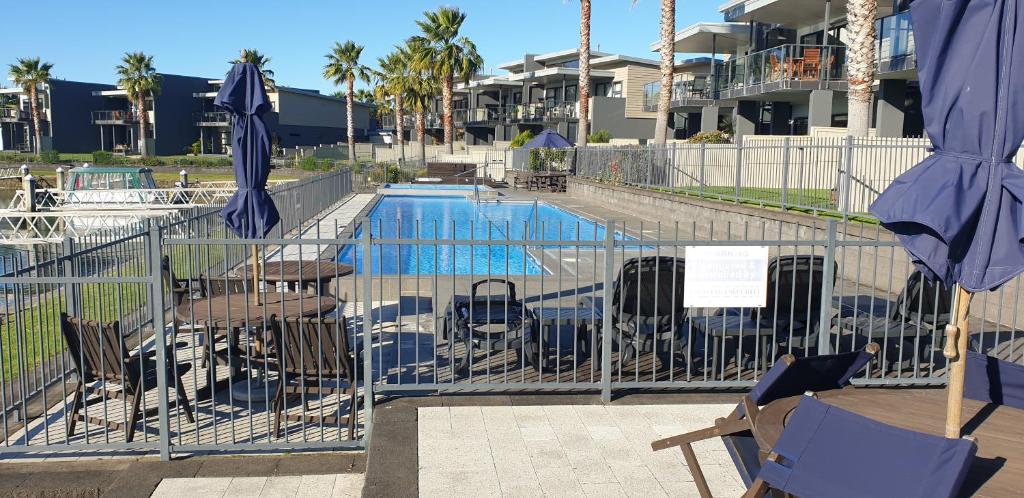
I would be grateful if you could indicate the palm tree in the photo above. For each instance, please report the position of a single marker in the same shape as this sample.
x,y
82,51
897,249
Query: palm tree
x,y
667,49
394,78
261,61
448,56
343,67
29,74
860,19
420,93
139,79
584,84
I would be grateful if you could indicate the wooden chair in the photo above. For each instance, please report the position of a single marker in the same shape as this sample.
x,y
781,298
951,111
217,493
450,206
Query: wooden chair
x,y
313,357
810,67
100,355
180,289
219,286
790,376
776,67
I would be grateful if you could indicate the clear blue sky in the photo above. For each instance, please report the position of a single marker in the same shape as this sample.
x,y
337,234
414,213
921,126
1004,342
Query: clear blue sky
x,y
85,39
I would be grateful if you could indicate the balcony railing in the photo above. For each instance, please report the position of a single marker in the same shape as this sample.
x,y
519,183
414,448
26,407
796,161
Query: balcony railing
x,y
114,117
785,67
212,119
431,120
10,114
687,89
895,43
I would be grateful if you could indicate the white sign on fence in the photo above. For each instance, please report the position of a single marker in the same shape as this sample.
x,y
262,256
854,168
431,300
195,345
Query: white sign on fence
x,y
726,277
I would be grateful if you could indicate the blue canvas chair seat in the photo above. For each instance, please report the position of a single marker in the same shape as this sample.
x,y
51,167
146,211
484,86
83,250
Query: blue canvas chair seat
x,y
828,451
790,376
994,381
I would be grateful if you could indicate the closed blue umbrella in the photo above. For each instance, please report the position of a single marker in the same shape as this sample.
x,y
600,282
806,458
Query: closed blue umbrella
x,y
959,213
548,139
250,213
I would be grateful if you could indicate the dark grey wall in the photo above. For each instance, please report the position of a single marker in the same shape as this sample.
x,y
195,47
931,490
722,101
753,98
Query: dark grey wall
x,y
71,104
174,109
608,113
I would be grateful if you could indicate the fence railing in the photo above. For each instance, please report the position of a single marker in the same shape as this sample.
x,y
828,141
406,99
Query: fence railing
x,y
116,117
838,175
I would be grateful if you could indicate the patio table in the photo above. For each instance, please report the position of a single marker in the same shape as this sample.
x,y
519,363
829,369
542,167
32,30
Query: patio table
x,y
228,314
999,464
306,274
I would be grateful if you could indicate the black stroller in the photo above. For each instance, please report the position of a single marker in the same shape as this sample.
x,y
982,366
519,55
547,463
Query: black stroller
x,y
484,323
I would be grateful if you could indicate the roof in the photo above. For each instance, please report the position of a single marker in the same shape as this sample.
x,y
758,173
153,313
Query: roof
x,y
701,38
108,169
624,58
550,56
790,13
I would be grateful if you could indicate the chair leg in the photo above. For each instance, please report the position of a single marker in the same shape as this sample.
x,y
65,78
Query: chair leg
x,y
759,487
278,406
352,413
76,406
183,401
695,471
134,415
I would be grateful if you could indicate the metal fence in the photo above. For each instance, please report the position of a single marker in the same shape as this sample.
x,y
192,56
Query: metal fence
x,y
816,174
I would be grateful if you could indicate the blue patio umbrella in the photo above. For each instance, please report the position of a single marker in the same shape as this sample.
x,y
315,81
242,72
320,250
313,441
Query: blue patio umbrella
x,y
250,213
549,139
960,212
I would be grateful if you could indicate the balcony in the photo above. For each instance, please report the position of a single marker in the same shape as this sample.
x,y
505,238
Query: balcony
x,y
114,117
213,119
11,115
783,69
895,44
431,120
688,89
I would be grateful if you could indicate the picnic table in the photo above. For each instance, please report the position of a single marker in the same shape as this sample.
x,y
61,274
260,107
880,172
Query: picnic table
x,y
315,275
999,465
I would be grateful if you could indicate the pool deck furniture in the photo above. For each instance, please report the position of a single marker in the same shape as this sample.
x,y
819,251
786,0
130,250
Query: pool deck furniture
x,y
827,450
229,314
562,338
991,380
99,353
999,430
484,322
314,275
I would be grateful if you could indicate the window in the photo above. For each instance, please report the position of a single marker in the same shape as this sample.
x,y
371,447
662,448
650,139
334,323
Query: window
x,y
602,90
616,90
570,93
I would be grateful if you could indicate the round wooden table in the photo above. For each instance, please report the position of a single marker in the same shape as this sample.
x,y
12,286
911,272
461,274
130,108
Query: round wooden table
x,y
999,464
316,274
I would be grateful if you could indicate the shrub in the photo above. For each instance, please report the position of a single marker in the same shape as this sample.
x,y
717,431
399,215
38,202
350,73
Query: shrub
x,y
547,159
150,161
393,173
196,147
711,137
49,157
521,139
599,137
102,157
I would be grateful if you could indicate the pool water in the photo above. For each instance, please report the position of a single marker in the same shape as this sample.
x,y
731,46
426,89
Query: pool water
x,y
458,218
433,186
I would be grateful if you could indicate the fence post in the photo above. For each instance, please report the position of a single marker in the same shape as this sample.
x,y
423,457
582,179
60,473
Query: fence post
x,y
70,290
739,167
703,164
827,289
367,331
157,308
650,164
785,171
847,176
606,311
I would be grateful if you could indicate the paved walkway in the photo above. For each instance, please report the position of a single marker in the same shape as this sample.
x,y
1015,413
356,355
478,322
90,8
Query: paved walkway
x,y
329,227
324,485
567,450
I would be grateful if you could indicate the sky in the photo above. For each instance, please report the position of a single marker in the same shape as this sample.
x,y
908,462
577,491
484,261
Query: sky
x,y
85,39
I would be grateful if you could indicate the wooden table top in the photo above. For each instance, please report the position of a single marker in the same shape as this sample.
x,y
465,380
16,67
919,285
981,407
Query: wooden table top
x,y
309,271
239,310
998,469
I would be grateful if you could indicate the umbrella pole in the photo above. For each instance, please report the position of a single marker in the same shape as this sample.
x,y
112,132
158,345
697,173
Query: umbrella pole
x,y
255,275
956,352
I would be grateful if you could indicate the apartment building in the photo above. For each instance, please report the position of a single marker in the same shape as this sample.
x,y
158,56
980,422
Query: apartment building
x,y
779,67
64,108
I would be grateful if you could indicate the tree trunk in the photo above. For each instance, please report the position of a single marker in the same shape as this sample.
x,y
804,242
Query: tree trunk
x,y
583,89
399,126
860,16
449,123
668,34
421,135
349,96
33,94
143,119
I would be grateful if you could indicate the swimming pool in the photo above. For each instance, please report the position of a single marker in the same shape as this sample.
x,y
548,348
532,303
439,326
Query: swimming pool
x,y
433,186
458,218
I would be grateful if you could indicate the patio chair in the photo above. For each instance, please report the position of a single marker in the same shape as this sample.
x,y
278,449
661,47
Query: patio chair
x,y
995,381
790,317
313,357
648,315
828,451
181,289
491,322
810,65
219,286
790,376
100,355
699,85
921,309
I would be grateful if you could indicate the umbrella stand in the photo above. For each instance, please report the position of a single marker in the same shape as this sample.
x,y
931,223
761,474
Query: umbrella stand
x,y
956,352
